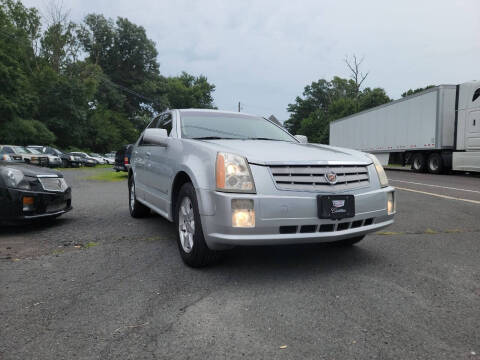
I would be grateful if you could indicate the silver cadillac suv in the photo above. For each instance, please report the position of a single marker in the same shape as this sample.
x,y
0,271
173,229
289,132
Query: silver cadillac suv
x,y
229,179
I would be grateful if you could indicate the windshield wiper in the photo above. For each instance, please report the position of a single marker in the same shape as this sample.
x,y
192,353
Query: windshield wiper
x,y
262,138
212,138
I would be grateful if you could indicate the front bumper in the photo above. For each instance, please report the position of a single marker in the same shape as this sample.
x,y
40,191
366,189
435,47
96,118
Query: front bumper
x,y
45,204
290,217
54,163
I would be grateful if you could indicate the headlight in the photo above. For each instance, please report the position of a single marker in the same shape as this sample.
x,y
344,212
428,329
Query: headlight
x,y
382,177
15,178
72,158
233,174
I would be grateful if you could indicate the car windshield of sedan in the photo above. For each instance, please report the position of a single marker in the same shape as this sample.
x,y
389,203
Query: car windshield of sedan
x,y
20,150
205,126
33,151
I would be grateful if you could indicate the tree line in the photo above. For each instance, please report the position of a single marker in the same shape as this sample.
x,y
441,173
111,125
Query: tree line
x,y
92,85
324,101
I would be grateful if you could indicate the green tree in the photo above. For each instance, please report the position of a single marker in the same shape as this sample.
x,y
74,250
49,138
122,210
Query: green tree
x,y
188,91
411,92
324,101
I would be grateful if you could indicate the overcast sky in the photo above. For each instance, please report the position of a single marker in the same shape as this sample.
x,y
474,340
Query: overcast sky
x,y
263,53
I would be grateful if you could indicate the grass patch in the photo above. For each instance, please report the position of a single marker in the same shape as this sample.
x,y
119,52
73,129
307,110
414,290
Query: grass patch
x,y
103,166
108,176
389,233
431,232
90,244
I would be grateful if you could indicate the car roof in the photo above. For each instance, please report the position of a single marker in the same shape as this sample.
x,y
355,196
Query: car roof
x,y
216,112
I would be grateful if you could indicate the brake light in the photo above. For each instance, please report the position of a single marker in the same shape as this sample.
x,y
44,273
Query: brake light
x,y
125,160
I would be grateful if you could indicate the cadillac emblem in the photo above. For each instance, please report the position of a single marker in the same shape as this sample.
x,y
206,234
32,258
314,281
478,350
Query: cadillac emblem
x,y
331,177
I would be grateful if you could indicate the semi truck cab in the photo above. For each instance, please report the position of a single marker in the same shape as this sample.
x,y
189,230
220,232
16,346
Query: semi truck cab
x,y
467,156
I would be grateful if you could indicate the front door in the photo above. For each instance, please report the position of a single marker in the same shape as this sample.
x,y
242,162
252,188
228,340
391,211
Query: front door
x,y
472,128
158,171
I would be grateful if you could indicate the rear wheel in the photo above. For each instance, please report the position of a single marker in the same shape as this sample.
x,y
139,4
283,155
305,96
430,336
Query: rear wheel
x,y
349,242
435,163
137,209
64,163
191,241
419,163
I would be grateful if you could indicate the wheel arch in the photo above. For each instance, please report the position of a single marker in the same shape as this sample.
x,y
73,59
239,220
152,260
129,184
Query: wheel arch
x,y
181,178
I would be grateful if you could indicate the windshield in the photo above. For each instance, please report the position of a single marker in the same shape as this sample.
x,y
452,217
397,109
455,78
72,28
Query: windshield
x,y
96,155
198,125
33,151
20,150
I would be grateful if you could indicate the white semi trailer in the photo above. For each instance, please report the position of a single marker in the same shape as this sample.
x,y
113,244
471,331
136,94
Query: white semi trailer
x,y
434,130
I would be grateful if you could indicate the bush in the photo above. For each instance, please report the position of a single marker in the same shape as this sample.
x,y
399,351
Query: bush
x,y
25,132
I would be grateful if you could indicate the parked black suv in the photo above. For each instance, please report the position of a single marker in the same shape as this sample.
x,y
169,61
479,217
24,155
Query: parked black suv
x,y
122,158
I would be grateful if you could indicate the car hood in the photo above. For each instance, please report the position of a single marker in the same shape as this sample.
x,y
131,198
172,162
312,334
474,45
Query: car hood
x,y
30,170
265,152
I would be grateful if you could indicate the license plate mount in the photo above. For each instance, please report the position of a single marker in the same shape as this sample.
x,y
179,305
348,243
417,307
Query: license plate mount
x,y
335,207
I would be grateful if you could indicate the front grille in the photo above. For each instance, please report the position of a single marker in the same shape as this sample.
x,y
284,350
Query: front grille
x,y
53,184
312,177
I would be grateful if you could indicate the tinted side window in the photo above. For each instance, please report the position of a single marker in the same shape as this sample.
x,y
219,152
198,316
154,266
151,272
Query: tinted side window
x,y
165,122
476,94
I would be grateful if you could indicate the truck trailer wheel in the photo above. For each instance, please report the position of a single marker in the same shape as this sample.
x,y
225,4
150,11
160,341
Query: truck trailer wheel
x,y
435,163
419,163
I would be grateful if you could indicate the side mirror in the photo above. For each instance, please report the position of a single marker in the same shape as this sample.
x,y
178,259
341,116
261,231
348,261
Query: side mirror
x,y
155,136
302,138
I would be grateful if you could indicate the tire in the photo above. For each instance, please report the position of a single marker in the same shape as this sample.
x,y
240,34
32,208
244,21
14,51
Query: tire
x,y
190,239
349,242
64,163
137,209
435,163
419,163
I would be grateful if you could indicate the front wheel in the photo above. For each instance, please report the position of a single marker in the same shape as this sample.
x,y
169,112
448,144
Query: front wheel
x,y
137,209
191,241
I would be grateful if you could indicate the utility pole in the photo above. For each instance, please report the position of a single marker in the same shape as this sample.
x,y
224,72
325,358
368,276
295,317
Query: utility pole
x,y
239,106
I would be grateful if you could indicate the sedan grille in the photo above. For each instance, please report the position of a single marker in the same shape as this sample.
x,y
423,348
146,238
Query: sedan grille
x,y
53,184
313,177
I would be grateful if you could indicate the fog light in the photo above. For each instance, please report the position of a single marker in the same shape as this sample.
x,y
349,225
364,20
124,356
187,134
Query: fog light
x,y
243,213
391,206
28,202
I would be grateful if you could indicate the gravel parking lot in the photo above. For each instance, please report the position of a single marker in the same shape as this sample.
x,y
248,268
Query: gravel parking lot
x,y
98,284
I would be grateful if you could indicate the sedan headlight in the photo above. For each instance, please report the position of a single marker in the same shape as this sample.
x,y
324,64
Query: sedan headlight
x,y
72,158
382,177
233,174
15,178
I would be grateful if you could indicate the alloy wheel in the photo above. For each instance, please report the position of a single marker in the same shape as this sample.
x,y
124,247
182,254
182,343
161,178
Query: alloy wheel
x,y
186,224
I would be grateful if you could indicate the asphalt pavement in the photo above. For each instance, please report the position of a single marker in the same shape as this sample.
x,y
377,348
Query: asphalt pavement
x,y
97,284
